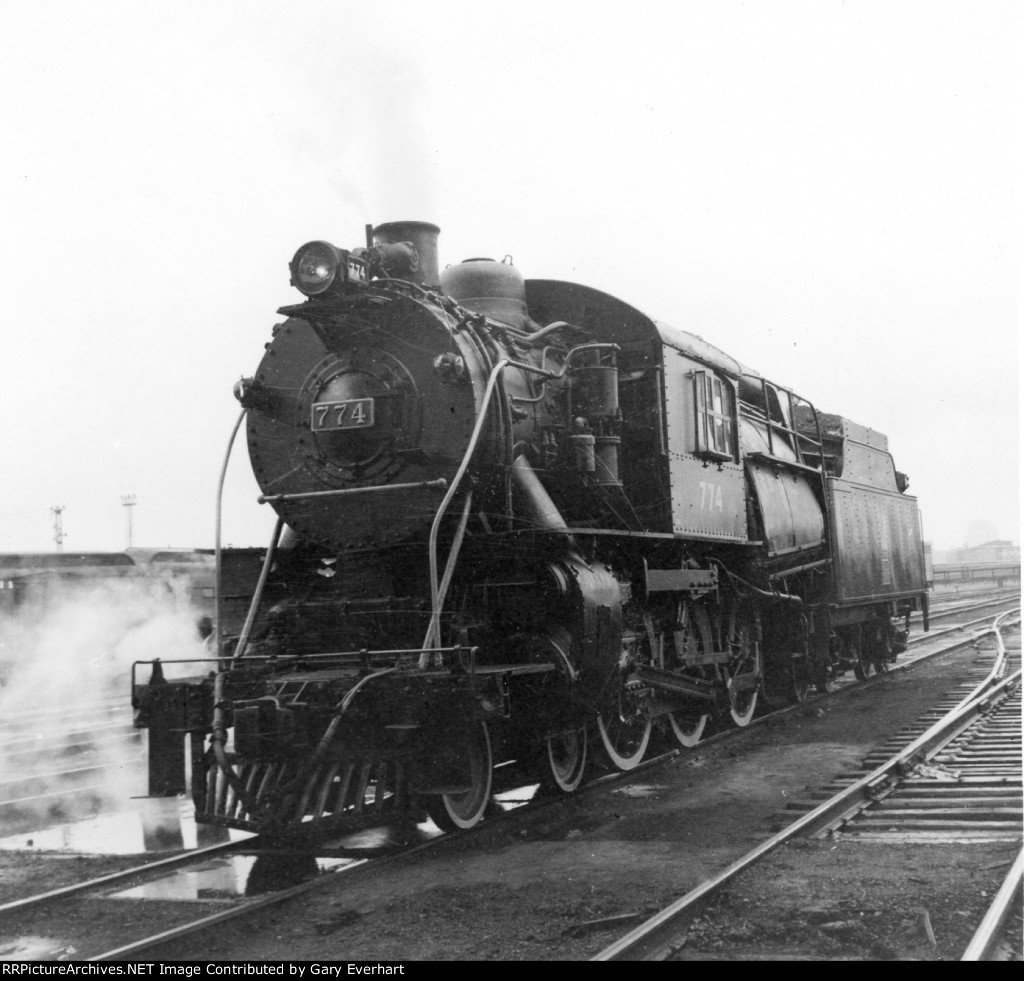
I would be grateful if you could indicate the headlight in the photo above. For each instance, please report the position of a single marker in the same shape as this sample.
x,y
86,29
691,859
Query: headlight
x,y
314,267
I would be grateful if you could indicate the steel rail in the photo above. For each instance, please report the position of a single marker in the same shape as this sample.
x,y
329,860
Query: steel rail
x,y
998,666
908,664
957,628
128,742
656,938
250,905
193,926
862,793
161,865
944,613
452,839
70,773
205,923
106,707
77,730
983,943
667,757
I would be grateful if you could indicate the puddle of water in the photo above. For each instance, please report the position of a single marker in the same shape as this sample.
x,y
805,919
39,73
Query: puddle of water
x,y
222,878
640,790
35,949
168,824
225,879
155,825
509,800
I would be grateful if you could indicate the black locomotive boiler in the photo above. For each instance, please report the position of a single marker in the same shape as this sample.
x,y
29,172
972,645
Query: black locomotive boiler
x,y
517,519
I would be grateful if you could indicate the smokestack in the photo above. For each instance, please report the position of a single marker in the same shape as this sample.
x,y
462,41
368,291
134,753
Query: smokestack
x,y
423,238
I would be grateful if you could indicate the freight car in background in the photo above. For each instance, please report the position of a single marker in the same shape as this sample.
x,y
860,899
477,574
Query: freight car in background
x,y
190,572
515,518
42,576
39,580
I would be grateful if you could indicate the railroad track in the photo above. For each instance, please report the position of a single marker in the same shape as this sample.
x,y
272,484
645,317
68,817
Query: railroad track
x,y
969,786
366,860
243,906
56,766
129,875
991,708
967,789
954,608
987,939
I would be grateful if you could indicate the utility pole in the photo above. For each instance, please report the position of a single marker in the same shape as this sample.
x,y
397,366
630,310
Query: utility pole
x,y
128,500
58,528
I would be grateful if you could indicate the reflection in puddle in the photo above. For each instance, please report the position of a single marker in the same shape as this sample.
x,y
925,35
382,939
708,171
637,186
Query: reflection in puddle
x,y
161,825
272,872
640,790
156,825
225,879
509,800
168,824
35,949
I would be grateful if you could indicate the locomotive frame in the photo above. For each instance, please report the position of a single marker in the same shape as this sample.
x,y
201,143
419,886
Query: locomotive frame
x,y
638,534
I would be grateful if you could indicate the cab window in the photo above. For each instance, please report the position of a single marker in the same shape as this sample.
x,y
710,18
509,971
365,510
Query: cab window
x,y
715,414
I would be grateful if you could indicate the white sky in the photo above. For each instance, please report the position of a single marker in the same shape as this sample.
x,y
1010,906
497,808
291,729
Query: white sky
x,y
824,190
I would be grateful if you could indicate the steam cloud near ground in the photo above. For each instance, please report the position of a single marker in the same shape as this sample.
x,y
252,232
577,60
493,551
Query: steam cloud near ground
x,y
74,648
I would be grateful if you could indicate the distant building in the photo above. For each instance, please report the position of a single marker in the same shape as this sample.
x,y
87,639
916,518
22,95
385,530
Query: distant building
x,y
994,551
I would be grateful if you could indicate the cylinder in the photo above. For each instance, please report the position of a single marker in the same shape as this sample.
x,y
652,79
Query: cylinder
x,y
583,452
595,391
606,462
423,237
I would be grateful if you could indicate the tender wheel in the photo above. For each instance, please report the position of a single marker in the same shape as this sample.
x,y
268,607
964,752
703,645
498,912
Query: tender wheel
x,y
801,681
693,637
822,677
452,812
624,739
876,651
825,663
565,754
862,663
743,669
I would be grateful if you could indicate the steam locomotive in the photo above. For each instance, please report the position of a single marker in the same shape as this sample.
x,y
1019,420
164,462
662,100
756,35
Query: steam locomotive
x,y
518,520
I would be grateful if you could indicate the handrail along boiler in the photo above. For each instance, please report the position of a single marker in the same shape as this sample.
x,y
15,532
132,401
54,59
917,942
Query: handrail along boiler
x,y
517,518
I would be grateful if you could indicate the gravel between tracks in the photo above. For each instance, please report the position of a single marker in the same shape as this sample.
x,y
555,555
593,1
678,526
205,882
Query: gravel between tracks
x,y
534,892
